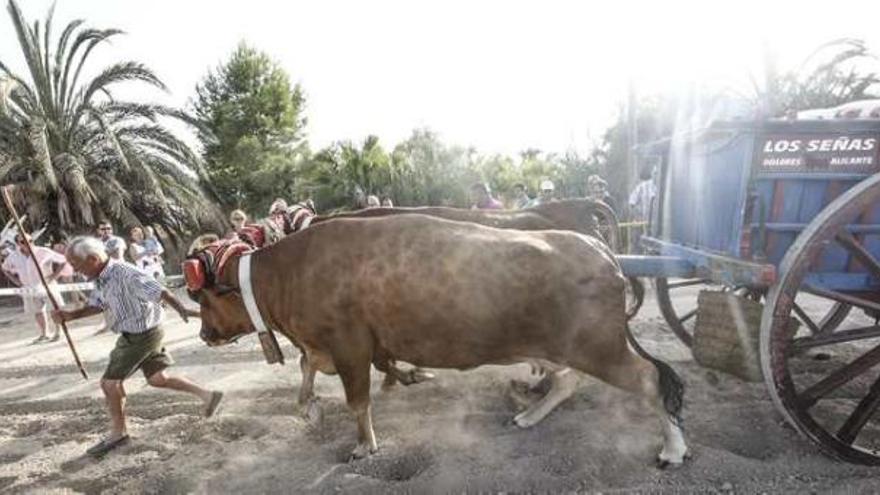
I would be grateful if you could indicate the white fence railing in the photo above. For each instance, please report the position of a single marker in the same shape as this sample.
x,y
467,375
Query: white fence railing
x,y
171,281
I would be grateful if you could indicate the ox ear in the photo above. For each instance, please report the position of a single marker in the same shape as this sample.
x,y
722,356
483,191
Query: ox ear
x,y
194,274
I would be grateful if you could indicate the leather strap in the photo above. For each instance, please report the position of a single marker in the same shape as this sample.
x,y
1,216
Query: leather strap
x,y
247,293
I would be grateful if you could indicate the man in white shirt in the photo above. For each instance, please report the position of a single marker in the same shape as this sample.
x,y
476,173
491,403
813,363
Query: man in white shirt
x,y
19,267
641,200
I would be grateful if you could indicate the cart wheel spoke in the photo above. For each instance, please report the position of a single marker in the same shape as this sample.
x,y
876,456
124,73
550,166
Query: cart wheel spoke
x,y
842,298
690,314
849,242
839,378
851,335
814,329
860,416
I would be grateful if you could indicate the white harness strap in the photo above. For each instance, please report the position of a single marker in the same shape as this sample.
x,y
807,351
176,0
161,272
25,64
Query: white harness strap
x,y
247,293
307,222
301,217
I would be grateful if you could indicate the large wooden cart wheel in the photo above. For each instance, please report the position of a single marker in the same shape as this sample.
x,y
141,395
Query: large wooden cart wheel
x,y
833,401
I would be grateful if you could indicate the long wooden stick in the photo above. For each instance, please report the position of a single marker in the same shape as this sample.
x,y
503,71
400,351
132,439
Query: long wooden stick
x,y
8,200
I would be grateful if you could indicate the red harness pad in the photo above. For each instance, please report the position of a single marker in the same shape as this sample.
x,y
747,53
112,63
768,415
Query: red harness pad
x,y
194,274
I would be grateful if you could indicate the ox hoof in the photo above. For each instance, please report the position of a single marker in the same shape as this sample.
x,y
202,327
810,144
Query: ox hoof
x,y
419,375
311,411
524,421
361,451
663,463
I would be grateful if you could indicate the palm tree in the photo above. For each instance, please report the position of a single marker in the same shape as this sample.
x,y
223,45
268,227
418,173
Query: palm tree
x,y
77,154
336,174
837,72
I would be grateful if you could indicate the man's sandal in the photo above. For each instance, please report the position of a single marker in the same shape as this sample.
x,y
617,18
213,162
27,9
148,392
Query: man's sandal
x,y
106,445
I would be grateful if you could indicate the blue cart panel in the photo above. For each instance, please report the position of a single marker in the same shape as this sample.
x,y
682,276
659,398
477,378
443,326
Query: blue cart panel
x,y
744,191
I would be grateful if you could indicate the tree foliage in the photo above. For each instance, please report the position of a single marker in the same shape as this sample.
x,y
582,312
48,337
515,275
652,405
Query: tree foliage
x,y
837,72
422,170
77,153
252,129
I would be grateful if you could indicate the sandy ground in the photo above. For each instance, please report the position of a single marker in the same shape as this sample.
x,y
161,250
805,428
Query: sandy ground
x,y
449,435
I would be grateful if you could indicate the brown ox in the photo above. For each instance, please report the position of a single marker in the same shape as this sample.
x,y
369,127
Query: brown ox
x,y
586,216
444,294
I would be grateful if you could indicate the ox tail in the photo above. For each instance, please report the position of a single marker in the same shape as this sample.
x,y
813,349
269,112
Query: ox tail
x,y
671,385
638,292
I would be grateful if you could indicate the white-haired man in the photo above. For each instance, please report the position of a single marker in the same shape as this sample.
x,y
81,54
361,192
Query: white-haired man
x,y
130,300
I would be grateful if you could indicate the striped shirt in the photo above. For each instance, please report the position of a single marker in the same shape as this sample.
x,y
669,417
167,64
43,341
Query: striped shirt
x,y
129,297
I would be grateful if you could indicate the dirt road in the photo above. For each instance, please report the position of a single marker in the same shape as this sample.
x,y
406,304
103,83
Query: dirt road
x,y
452,434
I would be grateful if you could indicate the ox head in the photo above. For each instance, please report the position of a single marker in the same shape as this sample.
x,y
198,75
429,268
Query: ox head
x,y
214,286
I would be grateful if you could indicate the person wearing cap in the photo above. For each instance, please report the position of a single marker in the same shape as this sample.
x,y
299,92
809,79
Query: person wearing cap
x,y
481,198
20,269
546,196
597,190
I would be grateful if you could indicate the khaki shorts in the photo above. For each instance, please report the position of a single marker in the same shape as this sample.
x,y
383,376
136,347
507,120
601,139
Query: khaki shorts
x,y
138,350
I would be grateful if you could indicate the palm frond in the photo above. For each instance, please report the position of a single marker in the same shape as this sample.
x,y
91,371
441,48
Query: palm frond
x,y
30,48
121,72
113,140
93,37
60,50
46,67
